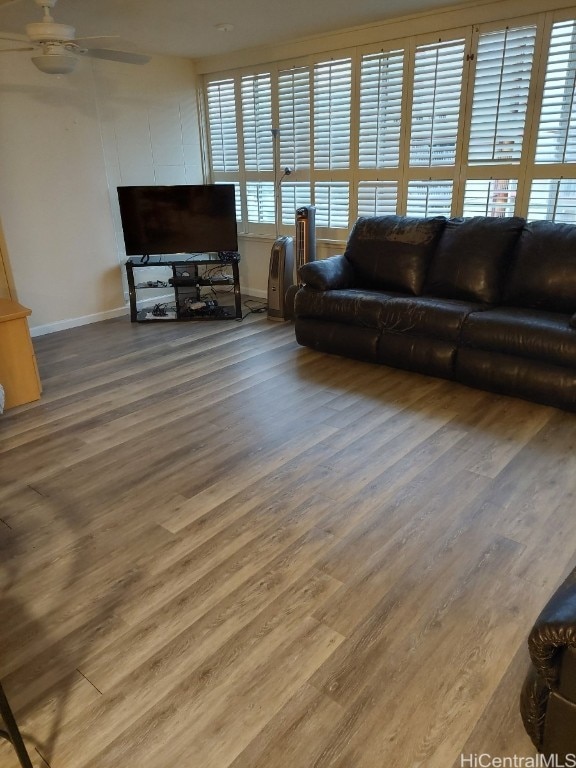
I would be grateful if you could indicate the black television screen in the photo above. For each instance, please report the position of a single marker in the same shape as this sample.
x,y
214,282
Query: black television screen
x,y
179,219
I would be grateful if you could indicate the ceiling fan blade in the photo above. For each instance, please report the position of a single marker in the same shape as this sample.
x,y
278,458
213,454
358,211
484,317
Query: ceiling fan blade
x,y
123,56
101,41
14,50
15,38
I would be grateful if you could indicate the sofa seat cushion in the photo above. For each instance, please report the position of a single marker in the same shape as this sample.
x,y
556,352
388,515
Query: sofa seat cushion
x,y
471,258
543,274
426,316
392,252
350,306
532,379
544,336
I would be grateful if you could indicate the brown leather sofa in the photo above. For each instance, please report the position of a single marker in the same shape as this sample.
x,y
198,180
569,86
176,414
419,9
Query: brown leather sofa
x,y
548,698
489,302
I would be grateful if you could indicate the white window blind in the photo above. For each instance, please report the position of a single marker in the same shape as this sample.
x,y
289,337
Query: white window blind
x,y
377,198
557,130
294,117
381,77
257,122
429,198
331,200
223,134
553,199
490,197
503,72
332,97
294,195
437,94
260,202
413,148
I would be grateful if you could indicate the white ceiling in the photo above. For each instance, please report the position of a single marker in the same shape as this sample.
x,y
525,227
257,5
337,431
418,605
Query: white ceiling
x,y
188,27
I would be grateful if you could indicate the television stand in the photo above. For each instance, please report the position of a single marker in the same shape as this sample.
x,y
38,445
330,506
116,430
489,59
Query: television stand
x,y
194,287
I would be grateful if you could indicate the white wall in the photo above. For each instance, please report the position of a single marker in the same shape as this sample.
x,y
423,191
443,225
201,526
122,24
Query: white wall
x,y
66,142
255,262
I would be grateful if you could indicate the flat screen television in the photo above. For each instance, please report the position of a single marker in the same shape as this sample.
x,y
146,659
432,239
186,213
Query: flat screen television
x,y
187,218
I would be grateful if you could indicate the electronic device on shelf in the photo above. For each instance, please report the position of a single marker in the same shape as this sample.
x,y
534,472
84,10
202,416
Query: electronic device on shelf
x,y
227,257
183,219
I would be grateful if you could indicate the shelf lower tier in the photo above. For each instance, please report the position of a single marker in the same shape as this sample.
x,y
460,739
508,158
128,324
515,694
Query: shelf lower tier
x,y
224,313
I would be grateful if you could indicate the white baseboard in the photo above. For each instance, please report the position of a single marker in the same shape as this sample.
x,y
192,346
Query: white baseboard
x,y
256,293
75,322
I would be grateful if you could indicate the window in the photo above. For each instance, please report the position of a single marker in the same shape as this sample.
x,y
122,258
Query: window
x,y
294,195
501,86
429,198
332,89
222,126
377,198
557,130
257,123
381,76
424,126
490,197
437,94
294,118
553,199
331,200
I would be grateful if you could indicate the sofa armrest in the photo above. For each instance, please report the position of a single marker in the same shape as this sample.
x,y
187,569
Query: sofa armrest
x,y
533,702
327,274
553,631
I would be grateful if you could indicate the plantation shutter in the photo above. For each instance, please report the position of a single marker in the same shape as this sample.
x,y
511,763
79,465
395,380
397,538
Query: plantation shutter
x,y
429,198
381,76
257,122
294,195
490,197
260,202
223,134
294,118
501,85
436,103
553,199
332,203
332,97
377,198
557,131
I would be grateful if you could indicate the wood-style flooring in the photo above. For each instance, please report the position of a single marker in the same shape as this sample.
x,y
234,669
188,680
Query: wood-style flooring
x,y
222,550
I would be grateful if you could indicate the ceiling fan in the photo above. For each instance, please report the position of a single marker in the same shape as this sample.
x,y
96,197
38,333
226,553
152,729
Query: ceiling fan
x,y
58,48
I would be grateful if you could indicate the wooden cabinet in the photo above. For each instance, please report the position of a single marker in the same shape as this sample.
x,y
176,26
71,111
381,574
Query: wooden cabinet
x,y
18,371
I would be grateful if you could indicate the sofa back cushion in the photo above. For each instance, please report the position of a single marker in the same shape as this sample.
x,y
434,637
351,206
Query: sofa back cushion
x,y
393,252
471,258
543,274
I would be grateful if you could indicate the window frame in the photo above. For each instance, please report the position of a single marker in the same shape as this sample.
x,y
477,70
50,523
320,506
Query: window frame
x,y
523,171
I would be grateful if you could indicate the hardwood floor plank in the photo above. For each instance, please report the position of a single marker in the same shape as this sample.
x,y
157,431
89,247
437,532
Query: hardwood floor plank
x,y
295,735
220,549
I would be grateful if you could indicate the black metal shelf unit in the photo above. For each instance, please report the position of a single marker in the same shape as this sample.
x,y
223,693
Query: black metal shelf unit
x,y
186,280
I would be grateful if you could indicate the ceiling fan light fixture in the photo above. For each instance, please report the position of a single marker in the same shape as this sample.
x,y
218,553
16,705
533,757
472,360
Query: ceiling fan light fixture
x,y
224,27
55,63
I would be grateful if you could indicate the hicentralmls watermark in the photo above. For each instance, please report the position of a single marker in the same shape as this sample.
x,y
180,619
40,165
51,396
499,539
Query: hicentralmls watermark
x,y
485,760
